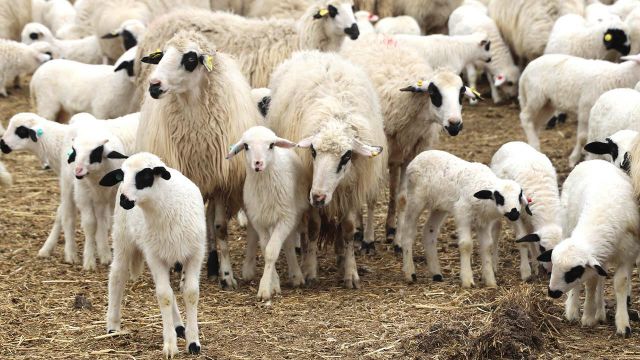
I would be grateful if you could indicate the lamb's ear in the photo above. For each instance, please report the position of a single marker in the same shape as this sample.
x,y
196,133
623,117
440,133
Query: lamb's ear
x,y
594,264
116,155
484,195
111,35
598,148
528,210
545,256
305,143
529,238
162,172
125,65
499,80
112,178
33,136
284,143
235,149
71,156
153,58
374,18
472,93
419,87
486,44
366,150
321,13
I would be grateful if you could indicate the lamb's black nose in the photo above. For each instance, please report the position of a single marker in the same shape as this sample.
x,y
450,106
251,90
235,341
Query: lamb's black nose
x,y
4,147
513,215
126,203
554,294
155,90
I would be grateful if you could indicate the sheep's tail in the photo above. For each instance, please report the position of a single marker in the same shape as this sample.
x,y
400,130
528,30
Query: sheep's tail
x,y
635,166
5,176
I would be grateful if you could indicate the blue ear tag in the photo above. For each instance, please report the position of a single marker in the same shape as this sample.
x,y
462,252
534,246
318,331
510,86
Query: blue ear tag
x,y
39,132
69,152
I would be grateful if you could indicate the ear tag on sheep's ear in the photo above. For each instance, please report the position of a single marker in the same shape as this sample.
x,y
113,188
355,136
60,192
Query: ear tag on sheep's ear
x,y
321,13
420,83
208,62
39,132
608,37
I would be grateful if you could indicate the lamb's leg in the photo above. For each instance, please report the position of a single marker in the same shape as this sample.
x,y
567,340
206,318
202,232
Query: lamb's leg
x,y
89,224
295,273
190,294
472,76
117,280
525,267
103,215
271,252
68,218
495,235
528,125
601,312
430,242
368,244
166,298
226,272
54,235
581,138
351,278
465,246
495,92
620,285
310,247
136,265
590,303
394,183
177,319
572,305
213,264
486,255
249,264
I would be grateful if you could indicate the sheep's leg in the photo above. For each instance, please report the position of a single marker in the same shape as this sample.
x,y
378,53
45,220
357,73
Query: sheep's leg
x,y
249,264
103,215
166,298
368,244
528,125
136,264
117,281
621,286
430,242
226,272
394,183
572,305
601,312
213,264
89,224
191,294
495,92
310,247
465,245
581,138
590,303
523,248
485,241
495,235
472,77
177,319
351,278
68,207
358,237
295,273
54,235
268,285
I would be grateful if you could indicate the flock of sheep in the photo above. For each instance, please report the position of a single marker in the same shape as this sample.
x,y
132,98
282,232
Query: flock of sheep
x,y
295,113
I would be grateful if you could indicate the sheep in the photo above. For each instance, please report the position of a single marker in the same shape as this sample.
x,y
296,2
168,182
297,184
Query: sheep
x,y
397,25
502,73
413,118
261,97
70,86
146,228
621,8
281,9
472,193
85,50
131,32
18,59
615,148
432,15
570,85
48,141
208,94
525,25
55,14
5,176
365,20
14,14
335,115
601,220
259,45
96,149
534,171
453,52
275,199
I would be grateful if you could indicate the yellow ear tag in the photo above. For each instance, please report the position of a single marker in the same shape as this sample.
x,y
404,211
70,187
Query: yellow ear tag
x,y
155,54
475,92
420,83
115,33
608,37
375,153
323,12
208,62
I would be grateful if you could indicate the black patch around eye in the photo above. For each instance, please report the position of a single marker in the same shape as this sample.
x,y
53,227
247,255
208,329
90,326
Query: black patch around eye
x,y
573,274
462,92
72,156
126,65
313,152
162,172
333,11
22,132
96,155
487,46
128,39
499,198
435,95
144,179
344,160
189,61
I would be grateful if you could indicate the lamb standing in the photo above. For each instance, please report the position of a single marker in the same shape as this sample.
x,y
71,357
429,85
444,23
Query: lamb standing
x,y
85,50
18,59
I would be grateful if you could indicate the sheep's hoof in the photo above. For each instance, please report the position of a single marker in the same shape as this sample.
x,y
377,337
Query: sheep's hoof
x,y
397,249
437,277
414,277
194,348
71,259
368,248
391,234
627,332
44,253
170,350
111,331
310,281
180,332
351,283
228,282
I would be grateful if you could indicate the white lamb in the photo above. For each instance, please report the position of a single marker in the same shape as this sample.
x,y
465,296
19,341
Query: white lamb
x,y
397,25
131,32
502,73
16,60
472,193
365,21
534,171
571,85
431,14
160,219
601,227
280,9
275,200
55,14
105,91
85,50
616,148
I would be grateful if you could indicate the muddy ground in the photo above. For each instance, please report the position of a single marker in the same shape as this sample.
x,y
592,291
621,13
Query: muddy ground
x,y
385,319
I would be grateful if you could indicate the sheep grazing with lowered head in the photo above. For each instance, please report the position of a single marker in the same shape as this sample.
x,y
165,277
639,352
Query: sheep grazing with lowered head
x,y
259,45
615,148
160,219
335,117
198,105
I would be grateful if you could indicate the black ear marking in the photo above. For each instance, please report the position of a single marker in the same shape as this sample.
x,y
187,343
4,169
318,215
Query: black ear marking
x,y
128,39
72,156
116,155
190,61
598,148
33,135
601,271
96,155
529,238
153,58
626,163
264,104
528,210
333,11
112,35
112,178
499,198
126,65
484,195
463,91
162,172
572,275
545,256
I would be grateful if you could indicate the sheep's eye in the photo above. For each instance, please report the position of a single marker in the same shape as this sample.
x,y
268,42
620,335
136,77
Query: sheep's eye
x,y
313,152
246,147
271,146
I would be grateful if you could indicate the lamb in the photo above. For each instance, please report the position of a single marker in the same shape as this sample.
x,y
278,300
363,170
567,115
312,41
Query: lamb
x,y
280,9
398,25
48,141
365,20
601,227
580,81
208,94
336,115
431,14
70,86
18,59
55,14
452,52
478,198
131,32
275,200
534,171
146,228
615,148
259,45
85,50
262,97
428,101
502,73
14,14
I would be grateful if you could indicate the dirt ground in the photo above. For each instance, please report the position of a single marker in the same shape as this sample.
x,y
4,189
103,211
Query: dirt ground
x,y
385,319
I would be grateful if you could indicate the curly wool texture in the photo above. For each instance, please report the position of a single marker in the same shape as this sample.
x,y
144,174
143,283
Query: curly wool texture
x,y
338,103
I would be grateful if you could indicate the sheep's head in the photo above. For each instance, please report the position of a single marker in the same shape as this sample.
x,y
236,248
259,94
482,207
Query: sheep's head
x,y
483,46
126,63
617,39
22,133
182,65
138,175
572,264
617,147
508,198
507,80
446,91
259,143
338,17
333,149
33,32
131,32
546,238
90,149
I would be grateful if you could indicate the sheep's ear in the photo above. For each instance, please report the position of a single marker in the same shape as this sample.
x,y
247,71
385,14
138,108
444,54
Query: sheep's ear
x,y
153,58
528,210
484,195
472,93
626,163
545,256
486,44
529,238
499,80
125,65
116,155
112,178
598,148
162,172
305,143
235,149
419,87
71,156
111,35
284,143
321,13
366,150
601,271
33,136
207,61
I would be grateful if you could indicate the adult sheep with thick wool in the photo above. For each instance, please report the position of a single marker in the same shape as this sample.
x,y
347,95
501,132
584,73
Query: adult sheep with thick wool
x,y
259,45
55,14
280,9
432,15
335,116
14,15
18,59
85,50
199,104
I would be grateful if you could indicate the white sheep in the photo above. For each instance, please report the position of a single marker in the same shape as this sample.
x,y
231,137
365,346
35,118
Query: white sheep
x,y
570,85
472,193
397,25
105,91
601,229
16,60
48,141
14,14
55,14
259,45
130,31
620,8
431,14
502,73
335,117
5,176
275,199
198,105
534,171
365,20
85,50
280,9
615,148
160,219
